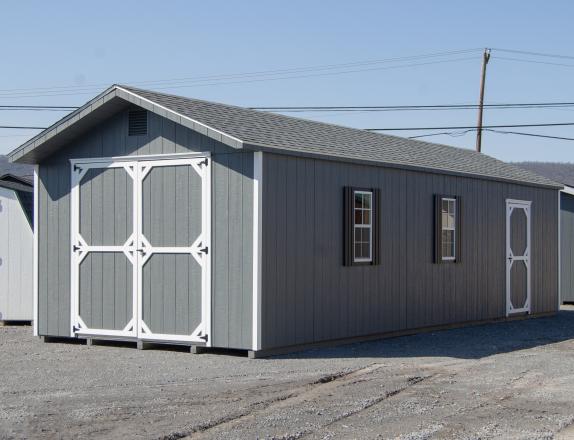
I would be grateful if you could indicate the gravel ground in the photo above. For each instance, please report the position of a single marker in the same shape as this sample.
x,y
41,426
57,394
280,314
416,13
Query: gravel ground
x,y
510,380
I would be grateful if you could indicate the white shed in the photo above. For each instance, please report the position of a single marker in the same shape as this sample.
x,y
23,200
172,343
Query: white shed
x,y
16,248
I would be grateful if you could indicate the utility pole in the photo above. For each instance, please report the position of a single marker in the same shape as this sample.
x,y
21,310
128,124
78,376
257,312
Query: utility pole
x,y
485,58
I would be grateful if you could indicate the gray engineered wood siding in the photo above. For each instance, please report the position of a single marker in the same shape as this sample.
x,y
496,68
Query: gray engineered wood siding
x,y
567,247
232,194
16,254
309,296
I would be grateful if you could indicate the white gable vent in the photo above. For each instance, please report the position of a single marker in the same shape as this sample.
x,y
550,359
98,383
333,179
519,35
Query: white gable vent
x,y
137,122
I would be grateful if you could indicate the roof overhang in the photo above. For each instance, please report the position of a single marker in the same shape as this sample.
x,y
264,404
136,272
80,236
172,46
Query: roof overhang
x,y
100,108
15,183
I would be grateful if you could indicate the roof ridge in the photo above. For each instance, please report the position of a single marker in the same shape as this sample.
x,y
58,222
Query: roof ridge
x,y
295,118
338,126
238,127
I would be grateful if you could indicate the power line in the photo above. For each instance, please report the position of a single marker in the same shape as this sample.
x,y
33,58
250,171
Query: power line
x,y
22,127
557,124
40,106
216,83
272,75
35,109
288,109
462,133
374,108
539,54
448,133
532,134
218,77
533,61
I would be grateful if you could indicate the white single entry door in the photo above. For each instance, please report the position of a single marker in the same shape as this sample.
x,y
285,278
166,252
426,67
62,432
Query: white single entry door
x,y
517,256
140,248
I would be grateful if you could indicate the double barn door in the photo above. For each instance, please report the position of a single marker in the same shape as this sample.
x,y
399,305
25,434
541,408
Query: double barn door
x,y
140,248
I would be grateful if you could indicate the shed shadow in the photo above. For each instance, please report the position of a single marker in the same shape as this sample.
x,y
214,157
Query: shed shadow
x,y
473,342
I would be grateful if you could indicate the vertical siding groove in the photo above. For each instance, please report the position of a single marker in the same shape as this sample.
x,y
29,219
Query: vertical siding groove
x,y
110,138
407,290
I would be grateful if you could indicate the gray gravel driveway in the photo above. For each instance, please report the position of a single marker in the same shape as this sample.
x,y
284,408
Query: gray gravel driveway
x,y
507,380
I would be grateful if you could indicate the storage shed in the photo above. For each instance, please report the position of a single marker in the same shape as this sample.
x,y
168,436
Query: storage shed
x,y
16,249
563,173
168,219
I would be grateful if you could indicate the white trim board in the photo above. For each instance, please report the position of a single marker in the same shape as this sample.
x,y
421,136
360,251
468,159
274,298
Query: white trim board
x,y
568,190
257,245
35,262
132,158
559,246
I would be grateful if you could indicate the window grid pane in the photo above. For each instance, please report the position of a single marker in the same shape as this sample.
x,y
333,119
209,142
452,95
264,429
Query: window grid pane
x,y
448,232
362,244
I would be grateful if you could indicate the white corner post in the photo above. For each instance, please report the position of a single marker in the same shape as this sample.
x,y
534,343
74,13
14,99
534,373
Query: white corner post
x,y
257,245
35,258
559,251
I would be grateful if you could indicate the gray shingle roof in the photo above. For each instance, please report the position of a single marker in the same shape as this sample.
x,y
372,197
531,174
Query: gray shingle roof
x,y
20,170
300,135
244,128
24,190
557,171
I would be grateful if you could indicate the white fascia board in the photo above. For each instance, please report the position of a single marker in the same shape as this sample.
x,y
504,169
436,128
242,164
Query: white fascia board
x,y
207,127
58,126
96,102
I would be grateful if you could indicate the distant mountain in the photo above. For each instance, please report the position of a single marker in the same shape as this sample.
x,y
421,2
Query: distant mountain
x,y
561,172
18,169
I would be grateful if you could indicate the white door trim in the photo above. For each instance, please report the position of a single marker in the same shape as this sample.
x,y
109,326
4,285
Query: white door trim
x,y
79,248
137,167
525,205
201,165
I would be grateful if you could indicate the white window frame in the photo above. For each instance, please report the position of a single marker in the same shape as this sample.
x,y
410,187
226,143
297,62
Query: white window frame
x,y
363,226
453,229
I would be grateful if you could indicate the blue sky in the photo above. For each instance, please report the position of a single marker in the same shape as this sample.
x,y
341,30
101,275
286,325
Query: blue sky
x,y
75,49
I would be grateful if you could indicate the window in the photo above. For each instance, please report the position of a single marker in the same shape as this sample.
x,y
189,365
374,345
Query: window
x,y
361,226
448,228
447,235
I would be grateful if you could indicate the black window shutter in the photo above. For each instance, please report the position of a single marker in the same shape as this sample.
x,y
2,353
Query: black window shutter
x,y
348,226
376,226
437,229
458,233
